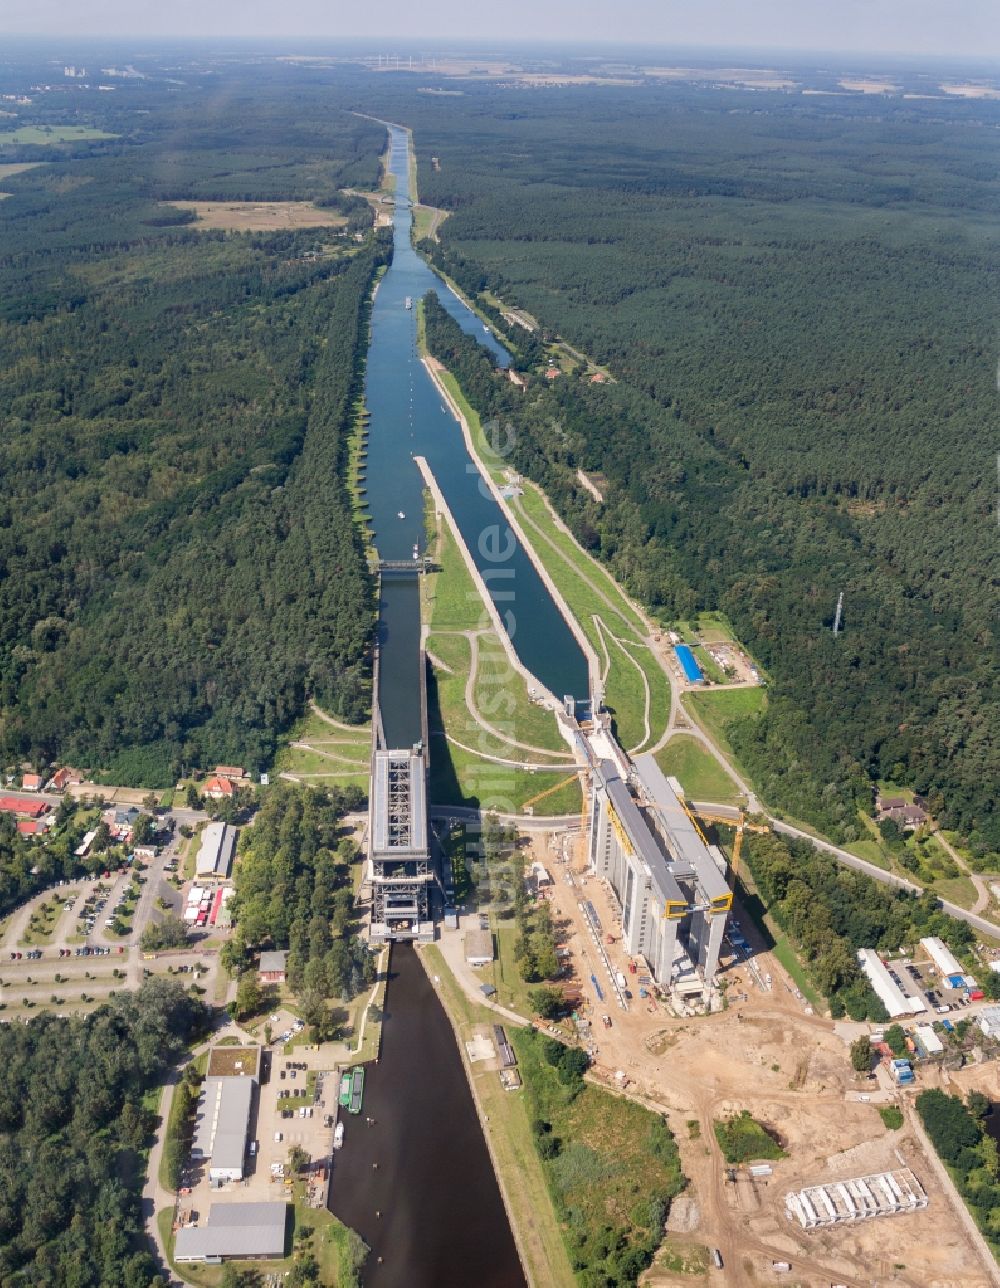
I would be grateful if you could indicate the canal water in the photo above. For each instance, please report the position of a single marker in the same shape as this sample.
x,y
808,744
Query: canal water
x,y
442,1222
409,418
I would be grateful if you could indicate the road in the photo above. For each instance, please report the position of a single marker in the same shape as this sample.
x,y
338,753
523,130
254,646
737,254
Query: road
x,y
982,924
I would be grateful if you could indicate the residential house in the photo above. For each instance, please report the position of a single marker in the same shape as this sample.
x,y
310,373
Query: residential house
x,y
219,788
272,967
31,782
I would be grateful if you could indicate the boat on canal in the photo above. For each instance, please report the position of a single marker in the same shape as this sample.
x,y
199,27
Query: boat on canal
x,y
338,1136
345,1089
409,302
357,1089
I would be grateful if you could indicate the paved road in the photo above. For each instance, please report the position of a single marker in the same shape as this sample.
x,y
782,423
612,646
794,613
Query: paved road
x,y
982,924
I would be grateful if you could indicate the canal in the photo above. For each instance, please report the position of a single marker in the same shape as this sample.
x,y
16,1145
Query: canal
x,y
417,1182
409,418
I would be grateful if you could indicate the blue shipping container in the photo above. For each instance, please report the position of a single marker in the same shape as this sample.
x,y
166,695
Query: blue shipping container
x,y
691,668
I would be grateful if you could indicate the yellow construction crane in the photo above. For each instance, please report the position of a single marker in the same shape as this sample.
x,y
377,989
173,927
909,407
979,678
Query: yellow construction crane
x,y
739,823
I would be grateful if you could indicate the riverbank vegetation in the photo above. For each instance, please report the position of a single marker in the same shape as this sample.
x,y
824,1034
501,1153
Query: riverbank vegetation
x,y
294,890
75,1127
181,570
829,912
786,336
611,1165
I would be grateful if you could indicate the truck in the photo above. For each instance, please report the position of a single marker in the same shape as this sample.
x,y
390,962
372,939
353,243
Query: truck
x,y
621,981
717,1258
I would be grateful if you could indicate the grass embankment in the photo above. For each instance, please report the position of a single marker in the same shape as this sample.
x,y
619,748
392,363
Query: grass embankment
x,y
715,710
742,1139
426,221
772,934
508,1129
465,774
635,682
329,754
700,774
612,1165
589,591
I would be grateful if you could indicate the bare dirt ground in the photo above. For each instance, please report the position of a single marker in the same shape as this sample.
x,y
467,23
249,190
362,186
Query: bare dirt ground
x,y
791,1070
260,216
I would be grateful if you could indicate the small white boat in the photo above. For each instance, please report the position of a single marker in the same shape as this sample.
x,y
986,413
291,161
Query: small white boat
x,y
416,551
338,1136
400,515
409,302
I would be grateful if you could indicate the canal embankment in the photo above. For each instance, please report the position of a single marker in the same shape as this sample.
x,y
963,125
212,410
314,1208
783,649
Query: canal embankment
x,y
593,663
507,1130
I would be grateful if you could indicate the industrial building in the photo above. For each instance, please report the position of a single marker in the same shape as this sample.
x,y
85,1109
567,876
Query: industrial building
x,y
400,869
215,853
927,1040
225,1110
989,1021
892,997
674,901
858,1199
478,947
941,955
243,1231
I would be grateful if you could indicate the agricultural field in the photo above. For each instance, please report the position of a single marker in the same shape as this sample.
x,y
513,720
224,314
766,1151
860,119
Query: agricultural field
x,y
45,134
260,216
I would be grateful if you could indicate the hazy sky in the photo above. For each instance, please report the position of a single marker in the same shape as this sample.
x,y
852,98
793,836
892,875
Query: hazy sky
x,y
879,26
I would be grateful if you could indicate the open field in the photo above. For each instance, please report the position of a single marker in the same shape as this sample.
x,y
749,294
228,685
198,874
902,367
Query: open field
x,y
493,716
700,774
325,752
260,216
45,134
10,168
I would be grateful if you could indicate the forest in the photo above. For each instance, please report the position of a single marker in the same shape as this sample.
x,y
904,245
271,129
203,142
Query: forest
x,y
959,1133
179,569
294,890
795,300
77,1109
830,911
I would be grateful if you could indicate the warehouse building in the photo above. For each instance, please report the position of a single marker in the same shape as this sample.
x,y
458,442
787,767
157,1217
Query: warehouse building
x,y
225,1110
478,947
941,955
243,1231
215,853
892,997
858,1199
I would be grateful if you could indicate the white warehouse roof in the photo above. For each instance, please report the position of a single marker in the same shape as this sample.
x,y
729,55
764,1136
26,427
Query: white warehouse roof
x,y
890,994
942,956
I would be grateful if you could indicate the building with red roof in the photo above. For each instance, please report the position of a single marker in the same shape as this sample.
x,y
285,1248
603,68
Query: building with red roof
x,y
18,805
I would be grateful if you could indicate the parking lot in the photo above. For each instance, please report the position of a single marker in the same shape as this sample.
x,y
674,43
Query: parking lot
x,y
923,980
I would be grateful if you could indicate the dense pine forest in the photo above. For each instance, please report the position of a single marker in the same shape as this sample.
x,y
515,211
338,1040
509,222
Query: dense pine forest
x,y
76,1118
796,300
178,563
